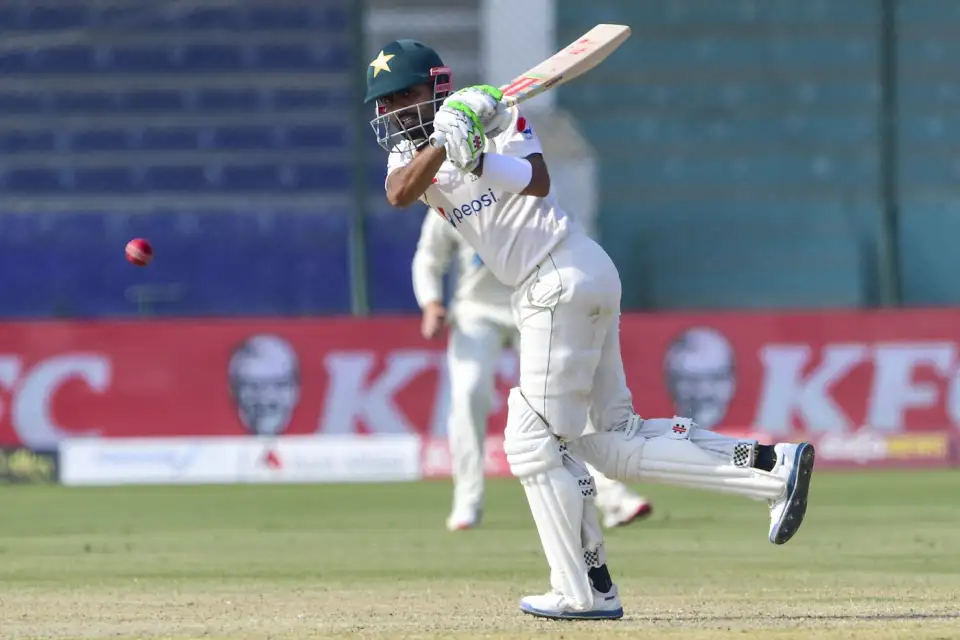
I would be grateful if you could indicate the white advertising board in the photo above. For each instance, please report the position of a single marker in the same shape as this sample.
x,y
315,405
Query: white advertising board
x,y
284,459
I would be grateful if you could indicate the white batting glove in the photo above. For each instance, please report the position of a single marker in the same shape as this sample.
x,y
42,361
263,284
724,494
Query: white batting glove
x,y
464,138
485,101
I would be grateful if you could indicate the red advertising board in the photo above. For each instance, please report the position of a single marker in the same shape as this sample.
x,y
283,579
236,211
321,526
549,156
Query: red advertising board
x,y
786,376
179,378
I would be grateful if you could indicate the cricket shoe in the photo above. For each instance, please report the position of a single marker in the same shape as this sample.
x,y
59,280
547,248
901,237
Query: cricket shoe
x,y
606,606
795,466
463,519
630,509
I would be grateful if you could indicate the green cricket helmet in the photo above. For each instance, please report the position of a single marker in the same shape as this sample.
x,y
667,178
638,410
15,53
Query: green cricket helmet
x,y
401,65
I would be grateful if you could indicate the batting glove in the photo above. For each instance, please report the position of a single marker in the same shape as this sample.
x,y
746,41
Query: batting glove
x,y
485,101
463,133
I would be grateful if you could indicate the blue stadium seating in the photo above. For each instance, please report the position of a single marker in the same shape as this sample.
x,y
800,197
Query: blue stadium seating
x,y
180,137
252,99
220,263
742,134
391,241
38,16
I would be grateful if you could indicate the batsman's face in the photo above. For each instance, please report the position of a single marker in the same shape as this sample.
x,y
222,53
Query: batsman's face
x,y
411,107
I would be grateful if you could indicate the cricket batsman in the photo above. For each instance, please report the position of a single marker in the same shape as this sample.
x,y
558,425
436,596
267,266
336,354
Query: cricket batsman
x,y
489,181
481,326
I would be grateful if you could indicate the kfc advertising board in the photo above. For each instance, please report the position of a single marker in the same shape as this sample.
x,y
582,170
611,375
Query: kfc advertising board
x,y
868,382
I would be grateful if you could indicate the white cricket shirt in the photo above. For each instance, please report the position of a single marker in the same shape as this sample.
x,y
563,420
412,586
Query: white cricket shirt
x,y
512,234
477,295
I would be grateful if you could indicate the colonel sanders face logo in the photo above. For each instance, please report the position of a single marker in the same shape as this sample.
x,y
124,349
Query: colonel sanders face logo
x,y
265,383
701,375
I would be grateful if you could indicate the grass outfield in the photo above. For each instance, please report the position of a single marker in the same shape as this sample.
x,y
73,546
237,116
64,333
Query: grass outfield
x,y
878,558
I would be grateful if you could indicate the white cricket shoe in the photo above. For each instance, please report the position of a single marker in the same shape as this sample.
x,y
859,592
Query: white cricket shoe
x,y
463,518
606,606
629,509
795,465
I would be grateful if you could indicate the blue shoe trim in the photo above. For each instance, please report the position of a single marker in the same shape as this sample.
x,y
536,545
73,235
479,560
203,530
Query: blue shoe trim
x,y
607,614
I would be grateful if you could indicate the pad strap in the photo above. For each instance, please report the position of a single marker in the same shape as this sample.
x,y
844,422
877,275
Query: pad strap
x,y
591,535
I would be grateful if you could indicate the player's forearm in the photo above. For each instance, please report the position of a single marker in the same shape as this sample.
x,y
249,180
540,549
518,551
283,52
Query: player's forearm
x,y
408,183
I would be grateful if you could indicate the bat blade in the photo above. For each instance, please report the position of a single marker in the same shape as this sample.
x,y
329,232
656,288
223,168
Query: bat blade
x,y
574,60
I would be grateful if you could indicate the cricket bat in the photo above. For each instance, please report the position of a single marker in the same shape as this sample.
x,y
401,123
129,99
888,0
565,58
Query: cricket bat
x,y
569,63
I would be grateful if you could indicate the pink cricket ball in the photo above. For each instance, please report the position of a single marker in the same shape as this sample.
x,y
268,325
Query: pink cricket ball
x,y
139,252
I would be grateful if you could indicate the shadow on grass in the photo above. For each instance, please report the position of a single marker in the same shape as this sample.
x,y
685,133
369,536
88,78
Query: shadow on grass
x,y
862,617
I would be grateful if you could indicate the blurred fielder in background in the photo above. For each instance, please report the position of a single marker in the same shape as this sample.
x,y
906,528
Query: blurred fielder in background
x,y
482,325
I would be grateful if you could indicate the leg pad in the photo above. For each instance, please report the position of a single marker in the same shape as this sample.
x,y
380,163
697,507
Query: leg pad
x,y
676,461
556,496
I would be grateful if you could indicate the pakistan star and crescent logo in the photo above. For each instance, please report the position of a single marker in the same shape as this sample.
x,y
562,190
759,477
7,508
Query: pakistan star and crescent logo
x,y
380,63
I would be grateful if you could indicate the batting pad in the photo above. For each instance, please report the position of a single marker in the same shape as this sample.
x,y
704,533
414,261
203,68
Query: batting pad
x,y
677,461
555,498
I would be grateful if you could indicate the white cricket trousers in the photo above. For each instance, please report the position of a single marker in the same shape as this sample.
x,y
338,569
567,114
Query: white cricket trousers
x,y
568,313
473,356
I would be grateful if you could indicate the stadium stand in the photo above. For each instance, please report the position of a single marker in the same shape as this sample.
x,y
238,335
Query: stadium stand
x,y
738,149
928,94
738,142
223,131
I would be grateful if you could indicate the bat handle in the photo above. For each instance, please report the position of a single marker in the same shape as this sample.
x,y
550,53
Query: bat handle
x,y
437,139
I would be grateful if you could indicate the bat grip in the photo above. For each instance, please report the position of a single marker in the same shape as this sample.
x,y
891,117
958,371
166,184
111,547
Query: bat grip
x,y
437,140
